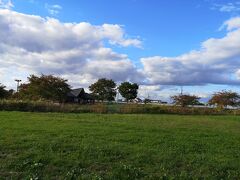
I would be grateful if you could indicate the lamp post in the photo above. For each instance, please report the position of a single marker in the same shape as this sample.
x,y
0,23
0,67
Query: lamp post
x,y
117,94
18,81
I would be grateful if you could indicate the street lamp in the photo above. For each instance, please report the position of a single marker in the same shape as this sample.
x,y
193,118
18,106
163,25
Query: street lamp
x,y
18,81
117,94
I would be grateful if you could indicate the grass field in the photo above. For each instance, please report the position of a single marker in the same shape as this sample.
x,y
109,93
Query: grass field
x,y
91,146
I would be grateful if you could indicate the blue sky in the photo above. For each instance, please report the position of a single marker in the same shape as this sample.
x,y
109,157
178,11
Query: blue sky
x,y
168,27
169,31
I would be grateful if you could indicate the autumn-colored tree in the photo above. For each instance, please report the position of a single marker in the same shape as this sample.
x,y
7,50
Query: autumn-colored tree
x,y
46,87
104,89
225,98
128,91
185,100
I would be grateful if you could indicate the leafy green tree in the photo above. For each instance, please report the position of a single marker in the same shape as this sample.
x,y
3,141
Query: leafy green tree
x,y
11,92
225,98
45,87
185,100
146,101
104,89
3,92
128,91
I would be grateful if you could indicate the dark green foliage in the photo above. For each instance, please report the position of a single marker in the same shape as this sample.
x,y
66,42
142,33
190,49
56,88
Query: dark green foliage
x,y
4,94
104,89
225,98
41,106
11,93
185,100
94,146
45,87
128,91
146,101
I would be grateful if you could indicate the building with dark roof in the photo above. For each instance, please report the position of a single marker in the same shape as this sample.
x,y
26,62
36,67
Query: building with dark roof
x,y
79,96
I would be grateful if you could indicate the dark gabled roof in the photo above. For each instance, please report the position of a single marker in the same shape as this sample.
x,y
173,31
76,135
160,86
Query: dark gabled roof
x,y
138,100
88,96
76,92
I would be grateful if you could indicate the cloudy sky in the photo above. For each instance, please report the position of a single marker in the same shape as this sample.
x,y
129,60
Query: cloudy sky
x,y
162,45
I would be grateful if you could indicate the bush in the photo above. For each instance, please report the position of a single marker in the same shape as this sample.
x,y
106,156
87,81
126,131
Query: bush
x,y
42,106
29,106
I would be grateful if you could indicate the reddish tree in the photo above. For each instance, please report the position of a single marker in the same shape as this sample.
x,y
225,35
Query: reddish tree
x,y
225,98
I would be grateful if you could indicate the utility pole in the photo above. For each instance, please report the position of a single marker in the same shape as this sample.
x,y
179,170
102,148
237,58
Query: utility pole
x,y
18,82
181,90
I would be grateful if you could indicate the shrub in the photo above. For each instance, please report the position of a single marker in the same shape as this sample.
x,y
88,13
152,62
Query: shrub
x,y
43,106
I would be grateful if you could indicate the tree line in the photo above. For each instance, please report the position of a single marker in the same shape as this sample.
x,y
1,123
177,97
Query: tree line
x,y
53,88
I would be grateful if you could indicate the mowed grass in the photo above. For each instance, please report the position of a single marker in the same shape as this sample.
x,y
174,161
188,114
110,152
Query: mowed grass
x,y
92,146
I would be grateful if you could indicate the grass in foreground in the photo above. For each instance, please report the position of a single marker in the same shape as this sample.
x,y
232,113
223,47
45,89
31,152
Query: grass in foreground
x,y
91,146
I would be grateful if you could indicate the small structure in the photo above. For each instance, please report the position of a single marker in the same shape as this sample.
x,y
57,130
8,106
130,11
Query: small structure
x,y
155,101
79,96
137,100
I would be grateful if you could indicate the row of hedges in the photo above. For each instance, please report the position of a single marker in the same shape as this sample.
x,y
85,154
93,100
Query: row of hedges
x,y
38,106
158,109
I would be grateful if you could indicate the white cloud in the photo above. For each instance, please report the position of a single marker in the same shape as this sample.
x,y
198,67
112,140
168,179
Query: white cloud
x,y
231,24
53,9
217,62
6,4
228,7
116,35
75,50
238,74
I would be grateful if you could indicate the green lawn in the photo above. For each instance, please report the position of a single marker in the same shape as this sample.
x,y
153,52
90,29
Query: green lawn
x,y
91,146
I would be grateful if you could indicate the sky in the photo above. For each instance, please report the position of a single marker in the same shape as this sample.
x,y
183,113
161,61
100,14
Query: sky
x,y
161,45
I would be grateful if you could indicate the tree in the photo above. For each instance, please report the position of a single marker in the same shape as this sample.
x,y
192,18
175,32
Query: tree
x,y
11,92
146,101
47,87
185,100
3,92
104,89
128,91
225,98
